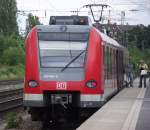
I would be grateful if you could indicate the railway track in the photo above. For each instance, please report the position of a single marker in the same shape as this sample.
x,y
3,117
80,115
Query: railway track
x,y
11,98
10,82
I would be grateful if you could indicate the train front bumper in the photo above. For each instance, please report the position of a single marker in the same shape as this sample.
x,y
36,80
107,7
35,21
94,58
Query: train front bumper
x,y
77,100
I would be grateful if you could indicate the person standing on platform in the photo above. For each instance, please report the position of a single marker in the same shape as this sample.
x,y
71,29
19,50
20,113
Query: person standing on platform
x,y
143,73
129,72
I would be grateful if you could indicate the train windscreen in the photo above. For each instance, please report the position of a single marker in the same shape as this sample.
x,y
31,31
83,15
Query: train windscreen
x,y
62,50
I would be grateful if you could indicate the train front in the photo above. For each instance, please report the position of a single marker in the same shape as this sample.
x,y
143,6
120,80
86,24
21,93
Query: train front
x,y
62,75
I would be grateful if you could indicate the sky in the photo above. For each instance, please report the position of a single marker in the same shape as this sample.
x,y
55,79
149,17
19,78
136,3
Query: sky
x,y
136,11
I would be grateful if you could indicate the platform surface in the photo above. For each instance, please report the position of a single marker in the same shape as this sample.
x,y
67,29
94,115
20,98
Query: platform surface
x,y
128,110
144,116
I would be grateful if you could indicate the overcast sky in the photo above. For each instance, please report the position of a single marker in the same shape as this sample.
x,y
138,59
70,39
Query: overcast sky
x,y
136,11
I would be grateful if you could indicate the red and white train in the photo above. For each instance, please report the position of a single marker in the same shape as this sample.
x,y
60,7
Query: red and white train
x,y
70,66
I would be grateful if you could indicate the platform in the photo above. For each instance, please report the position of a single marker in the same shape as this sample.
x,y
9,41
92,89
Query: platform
x,y
128,110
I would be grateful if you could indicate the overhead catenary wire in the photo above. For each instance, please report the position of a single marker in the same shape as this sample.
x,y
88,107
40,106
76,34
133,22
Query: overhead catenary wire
x,y
51,8
51,4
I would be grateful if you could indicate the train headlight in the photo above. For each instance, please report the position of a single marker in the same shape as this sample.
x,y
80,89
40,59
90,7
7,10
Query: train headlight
x,y
91,84
33,83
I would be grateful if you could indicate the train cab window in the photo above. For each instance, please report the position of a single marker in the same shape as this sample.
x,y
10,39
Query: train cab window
x,y
57,52
65,36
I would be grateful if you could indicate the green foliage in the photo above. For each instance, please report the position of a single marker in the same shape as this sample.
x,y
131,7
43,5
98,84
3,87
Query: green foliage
x,y
13,56
146,55
12,72
11,50
136,55
13,121
31,22
11,44
138,45
140,36
8,11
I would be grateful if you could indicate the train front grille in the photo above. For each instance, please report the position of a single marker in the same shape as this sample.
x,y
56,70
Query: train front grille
x,y
62,98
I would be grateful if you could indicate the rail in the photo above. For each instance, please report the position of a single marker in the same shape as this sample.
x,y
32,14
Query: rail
x,y
10,82
10,99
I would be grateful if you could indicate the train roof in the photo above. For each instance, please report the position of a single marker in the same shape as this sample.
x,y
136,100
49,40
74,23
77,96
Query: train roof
x,y
77,28
70,20
63,28
109,40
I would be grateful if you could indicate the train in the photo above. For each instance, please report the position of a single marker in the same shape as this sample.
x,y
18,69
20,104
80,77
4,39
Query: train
x,y
71,69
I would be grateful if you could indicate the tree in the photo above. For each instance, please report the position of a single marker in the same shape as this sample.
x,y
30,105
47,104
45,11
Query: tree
x,y
9,47
8,11
31,22
140,36
13,56
139,44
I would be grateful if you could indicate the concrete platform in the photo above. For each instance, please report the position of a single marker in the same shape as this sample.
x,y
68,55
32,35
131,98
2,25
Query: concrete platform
x,y
144,116
122,112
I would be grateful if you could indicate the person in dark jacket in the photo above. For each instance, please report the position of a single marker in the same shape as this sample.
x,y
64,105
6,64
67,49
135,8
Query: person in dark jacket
x,y
129,72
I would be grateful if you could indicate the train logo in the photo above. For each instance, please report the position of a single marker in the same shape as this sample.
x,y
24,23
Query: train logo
x,y
61,85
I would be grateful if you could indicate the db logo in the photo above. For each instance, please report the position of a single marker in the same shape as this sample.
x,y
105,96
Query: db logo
x,y
61,85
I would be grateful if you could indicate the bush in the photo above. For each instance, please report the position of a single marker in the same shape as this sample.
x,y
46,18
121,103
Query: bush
x,y
12,72
13,56
136,55
10,43
13,120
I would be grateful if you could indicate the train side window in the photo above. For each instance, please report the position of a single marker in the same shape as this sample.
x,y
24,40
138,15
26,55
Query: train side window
x,y
107,57
105,61
108,61
110,68
111,62
115,67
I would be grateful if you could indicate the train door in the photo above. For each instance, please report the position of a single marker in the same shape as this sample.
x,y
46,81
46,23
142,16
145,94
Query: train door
x,y
119,65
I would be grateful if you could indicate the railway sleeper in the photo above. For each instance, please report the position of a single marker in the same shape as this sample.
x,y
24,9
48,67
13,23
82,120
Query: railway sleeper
x,y
11,103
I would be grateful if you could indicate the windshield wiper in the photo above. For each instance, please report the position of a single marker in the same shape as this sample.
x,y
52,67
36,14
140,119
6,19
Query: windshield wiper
x,y
66,66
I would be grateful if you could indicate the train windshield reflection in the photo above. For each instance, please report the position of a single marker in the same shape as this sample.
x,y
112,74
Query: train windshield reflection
x,y
60,53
